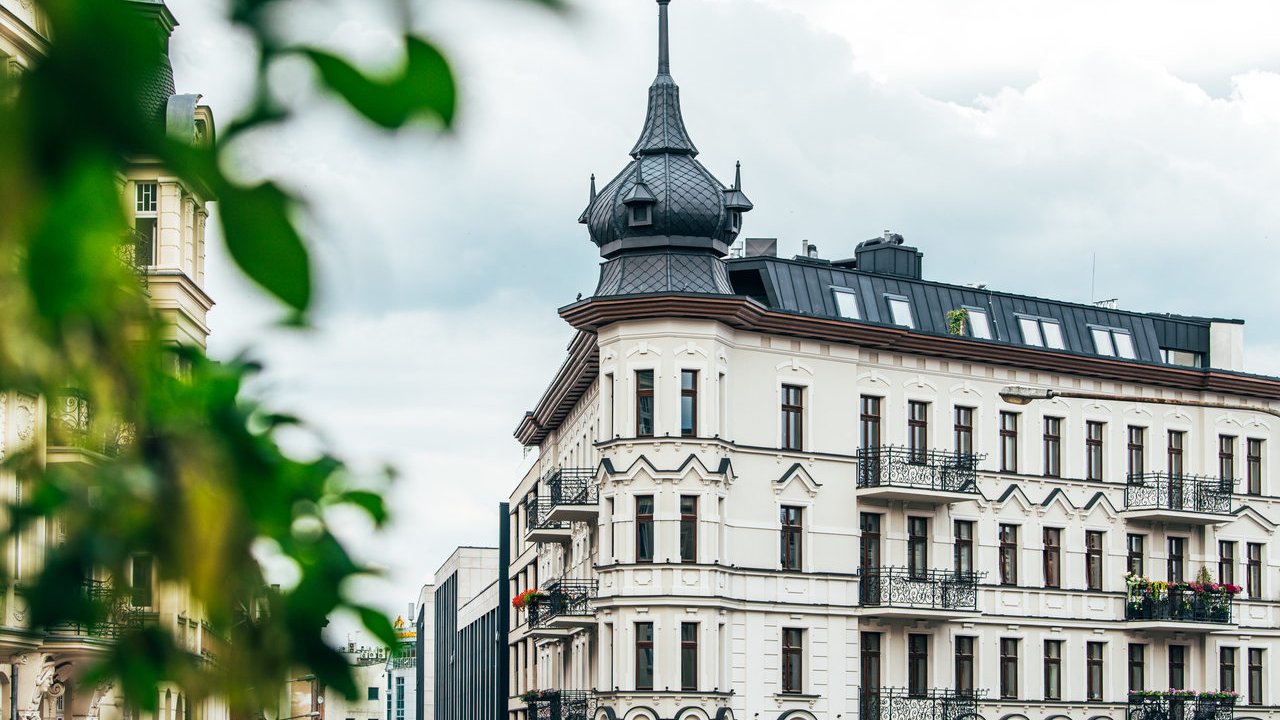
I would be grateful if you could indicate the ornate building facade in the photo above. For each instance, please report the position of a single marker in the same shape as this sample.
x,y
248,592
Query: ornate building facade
x,y
819,489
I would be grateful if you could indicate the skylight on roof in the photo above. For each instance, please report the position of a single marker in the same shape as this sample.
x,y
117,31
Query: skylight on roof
x,y
846,303
979,323
1112,342
900,310
1041,332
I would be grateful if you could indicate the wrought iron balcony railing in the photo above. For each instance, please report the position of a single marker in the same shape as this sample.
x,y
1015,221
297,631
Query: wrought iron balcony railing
x,y
71,424
1179,605
1184,493
118,615
562,705
564,598
923,589
537,510
137,251
1169,706
572,486
917,704
918,469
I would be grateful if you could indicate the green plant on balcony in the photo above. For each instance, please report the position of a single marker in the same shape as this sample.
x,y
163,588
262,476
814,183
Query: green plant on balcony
x,y
956,320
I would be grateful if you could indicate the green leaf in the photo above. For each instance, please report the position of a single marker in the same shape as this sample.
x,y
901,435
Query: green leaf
x,y
378,624
370,502
263,241
424,87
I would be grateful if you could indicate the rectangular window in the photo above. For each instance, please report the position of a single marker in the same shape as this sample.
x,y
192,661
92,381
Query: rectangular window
x,y
1053,447
1226,457
1175,452
870,665
644,528
869,436
1052,557
792,417
964,665
1253,570
1008,442
791,536
400,698
1093,670
144,222
1093,450
373,693
964,547
688,528
1253,467
979,323
869,554
917,431
1227,669
917,665
792,660
1093,560
1226,562
1008,554
689,656
846,303
900,311
141,580
1008,669
1052,669
1137,667
1137,450
964,430
1112,342
644,656
1177,559
918,547
644,403
689,403
1041,332
1255,676
1134,551
1177,667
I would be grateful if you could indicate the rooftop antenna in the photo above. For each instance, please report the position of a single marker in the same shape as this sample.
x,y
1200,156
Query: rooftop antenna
x,y
1093,278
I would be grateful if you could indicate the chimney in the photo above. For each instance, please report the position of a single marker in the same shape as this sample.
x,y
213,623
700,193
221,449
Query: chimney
x,y
760,247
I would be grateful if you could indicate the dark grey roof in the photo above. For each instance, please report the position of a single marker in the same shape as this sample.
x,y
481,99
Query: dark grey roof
x,y
664,130
662,272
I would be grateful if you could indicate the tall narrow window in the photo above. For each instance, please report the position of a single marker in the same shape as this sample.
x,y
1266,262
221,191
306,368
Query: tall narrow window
x,y
141,580
1253,576
1008,554
688,528
1177,666
689,403
1008,441
1052,669
1134,554
1093,670
1137,450
792,660
917,665
1177,559
144,223
1052,557
869,436
1093,450
644,656
918,547
792,417
1226,562
869,553
1227,457
1253,467
1137,667
1053,447
1255,676
792,529
964,547
964,665
917,431
644,403
1008,669
1227,669
964,430
869,664
644,528
1093,560
689,656
1175,452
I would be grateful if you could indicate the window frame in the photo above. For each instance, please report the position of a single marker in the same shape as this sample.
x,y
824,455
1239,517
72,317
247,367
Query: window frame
x,y
1226,457
837,292
1137,450
963,428
646,396
1175,561
1253,570
1095,450
691,419
1052,446
1095,677
970,324
644,644
791,536
1137,666
1053,670
792,652
645,521
1041,339
1253,465
1257,676
894,302
917,547
1007,557
689,530
1008,668
917,431
792,433
1140,557
689,656
1112,346
1009,442
1227,655
964,665
1227,562
962,548
1052,540
917,664
1094,542
1177,666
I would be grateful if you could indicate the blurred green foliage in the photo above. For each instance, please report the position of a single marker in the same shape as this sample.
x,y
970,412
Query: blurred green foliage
x,y
200,481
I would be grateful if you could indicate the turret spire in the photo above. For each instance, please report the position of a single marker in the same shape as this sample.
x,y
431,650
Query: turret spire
x,y
664,130
664,52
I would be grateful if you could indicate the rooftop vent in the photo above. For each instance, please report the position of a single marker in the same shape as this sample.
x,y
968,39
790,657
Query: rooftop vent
x,y
760,247
888,255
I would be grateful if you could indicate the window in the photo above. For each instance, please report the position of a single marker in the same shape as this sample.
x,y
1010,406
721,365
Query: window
x,y
1053,447
1255,676
1052,669
1253,467
644,403
792,420
1008,441
1137,667
964,547
918,547
1175,452
1176,563
964,430
644,528
689,656
869,432
688,403
900,311
917,431
1227,669
1093,450
1177,666
141,580
917,665
1041,332
1008,554
688,528
1133,548
373,693
1112,342
1182,357
978,322
1137,450
870,667
846,303
964,665
1226,562
644,656
639,214
399,698
1008,669
145,222
1052,557
1093,560
1226,457
1253,570
869,555
792,660
791,529
1093,670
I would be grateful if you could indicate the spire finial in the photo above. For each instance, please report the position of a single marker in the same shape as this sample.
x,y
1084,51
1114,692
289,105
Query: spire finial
x,y
737,175
664,56
593,187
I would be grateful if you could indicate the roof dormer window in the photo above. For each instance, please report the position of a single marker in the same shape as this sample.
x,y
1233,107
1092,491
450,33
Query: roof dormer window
x,y
1041,332
1113,342
900,310
846,303
639,215
735,220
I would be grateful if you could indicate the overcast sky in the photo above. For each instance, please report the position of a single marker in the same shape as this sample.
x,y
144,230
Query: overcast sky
x,y
1013,142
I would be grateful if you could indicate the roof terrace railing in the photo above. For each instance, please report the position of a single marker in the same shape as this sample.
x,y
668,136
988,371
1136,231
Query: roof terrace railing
x,y
891,466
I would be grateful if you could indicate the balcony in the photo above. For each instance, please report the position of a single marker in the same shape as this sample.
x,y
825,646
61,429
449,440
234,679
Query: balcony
x,y
1154,605
573,494
1181,705
925,704
899,592
136,251
114,616
71,425
560,704
936,476
565,609
1190,499
539,527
